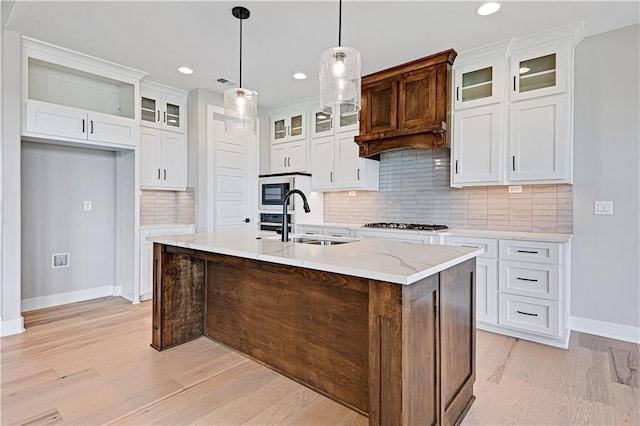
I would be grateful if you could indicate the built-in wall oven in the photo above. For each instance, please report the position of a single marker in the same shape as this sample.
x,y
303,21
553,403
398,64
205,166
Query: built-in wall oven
x,y
273,222
272,191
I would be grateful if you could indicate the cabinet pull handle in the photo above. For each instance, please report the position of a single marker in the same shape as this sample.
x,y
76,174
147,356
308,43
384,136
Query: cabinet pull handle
x,y
158,174
527,279
456,166
527,313
288,161
528,251
331,177
83,125
331,123
358,174
458,93
514,83
513,163
158,119
470,246
91,121
285,161
165,174
164,117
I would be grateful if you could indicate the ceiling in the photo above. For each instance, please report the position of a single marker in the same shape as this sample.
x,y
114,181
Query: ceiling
x,y
283,37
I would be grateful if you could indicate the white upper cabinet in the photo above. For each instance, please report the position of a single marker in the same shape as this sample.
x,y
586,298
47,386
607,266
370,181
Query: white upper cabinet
x,y
323,122
540,71
479,82
76,98
525,137
289,126
163,107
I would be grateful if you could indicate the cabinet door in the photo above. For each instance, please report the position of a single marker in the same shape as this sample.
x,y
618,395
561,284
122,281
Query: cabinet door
x,y
539,140
150,157
279,157
297,156
348,164
348,121
297,126
322,163
174,113
480,82
111,128
417,103
278,129
380,106
476,145
150,111
539,71
321,123
146,271
55,120
173,160
487,290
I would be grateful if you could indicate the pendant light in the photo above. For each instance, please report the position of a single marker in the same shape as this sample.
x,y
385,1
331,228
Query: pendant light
x,y
340,77
240,105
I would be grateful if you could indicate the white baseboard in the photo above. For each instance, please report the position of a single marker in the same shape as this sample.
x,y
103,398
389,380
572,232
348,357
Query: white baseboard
x,y
64,298
16,326
606,329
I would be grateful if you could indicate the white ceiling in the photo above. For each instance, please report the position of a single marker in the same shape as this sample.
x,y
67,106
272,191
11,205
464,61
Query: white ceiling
x,y
283,37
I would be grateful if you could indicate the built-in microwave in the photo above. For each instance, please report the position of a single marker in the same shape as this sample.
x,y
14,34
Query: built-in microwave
x,y
272,191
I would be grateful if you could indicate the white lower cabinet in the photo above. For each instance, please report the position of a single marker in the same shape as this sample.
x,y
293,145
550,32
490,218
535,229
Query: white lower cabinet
x,y
522,288
146,254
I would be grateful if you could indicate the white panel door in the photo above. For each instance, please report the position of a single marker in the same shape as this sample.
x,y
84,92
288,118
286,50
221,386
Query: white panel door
x,y
539,140
322,172
56,120
112,129
173,160
297,157
486,290
476,145
231,180
150,157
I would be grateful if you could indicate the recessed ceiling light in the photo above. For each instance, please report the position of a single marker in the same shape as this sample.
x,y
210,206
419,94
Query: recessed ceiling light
x,y
185,70
300,76
488,8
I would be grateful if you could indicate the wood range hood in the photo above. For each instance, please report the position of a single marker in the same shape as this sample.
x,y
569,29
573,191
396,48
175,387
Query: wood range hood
x,y
406,106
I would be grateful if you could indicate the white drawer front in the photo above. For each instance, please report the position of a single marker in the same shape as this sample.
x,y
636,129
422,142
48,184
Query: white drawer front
x,y
337,232
530,279
310,230
529,251
529,314
489,245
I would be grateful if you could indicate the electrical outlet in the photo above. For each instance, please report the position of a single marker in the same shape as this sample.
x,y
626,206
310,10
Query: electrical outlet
x,y
87,206
515,189
603,207
60,260
352,193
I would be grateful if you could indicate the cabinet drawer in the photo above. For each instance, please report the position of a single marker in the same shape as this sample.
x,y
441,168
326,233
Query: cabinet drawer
x,y
529,251
530,279
310,230
336,232
490,246
529,314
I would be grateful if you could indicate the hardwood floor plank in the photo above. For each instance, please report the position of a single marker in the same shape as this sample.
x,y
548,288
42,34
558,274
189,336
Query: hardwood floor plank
x,y
50,418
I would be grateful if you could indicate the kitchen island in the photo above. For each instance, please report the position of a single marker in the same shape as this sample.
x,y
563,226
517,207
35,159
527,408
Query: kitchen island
x,y
386,328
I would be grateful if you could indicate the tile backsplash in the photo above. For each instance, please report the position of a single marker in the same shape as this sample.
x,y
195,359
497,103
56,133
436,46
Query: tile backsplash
x,y
167,207
414,188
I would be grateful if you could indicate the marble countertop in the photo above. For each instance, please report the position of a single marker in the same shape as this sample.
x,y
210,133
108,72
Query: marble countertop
x,y
392,261
459,232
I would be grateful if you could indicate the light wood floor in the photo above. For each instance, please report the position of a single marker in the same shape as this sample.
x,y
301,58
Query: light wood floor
x,y
90,363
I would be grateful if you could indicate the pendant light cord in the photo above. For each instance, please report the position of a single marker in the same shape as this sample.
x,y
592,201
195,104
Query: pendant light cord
x,y
340,26
240,53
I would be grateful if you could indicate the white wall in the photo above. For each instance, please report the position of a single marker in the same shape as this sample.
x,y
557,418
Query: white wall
x,y
11,318
56,180
606,249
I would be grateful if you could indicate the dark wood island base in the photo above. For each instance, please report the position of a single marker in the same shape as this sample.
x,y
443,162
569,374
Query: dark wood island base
x,y
400,354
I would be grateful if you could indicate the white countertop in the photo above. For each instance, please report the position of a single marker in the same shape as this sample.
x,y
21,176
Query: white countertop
x,y
458,232
392,261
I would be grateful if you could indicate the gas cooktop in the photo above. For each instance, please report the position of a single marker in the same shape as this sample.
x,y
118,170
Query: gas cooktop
x,y
411,226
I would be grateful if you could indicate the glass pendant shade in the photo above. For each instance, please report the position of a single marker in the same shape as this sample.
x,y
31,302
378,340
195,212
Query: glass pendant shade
x,y
340,79
241,111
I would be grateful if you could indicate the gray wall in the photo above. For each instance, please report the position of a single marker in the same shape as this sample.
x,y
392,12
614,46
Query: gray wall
x,y
55,182
606,278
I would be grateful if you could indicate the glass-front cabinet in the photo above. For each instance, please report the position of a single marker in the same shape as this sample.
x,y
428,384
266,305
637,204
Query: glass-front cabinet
x,y
324,123
539,72
162,110
479,82
288,127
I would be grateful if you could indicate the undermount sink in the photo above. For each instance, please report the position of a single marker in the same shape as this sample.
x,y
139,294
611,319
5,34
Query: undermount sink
x,y
318,240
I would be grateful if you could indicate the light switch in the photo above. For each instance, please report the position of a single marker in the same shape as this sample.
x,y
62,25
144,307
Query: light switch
x,y
603,207
87,206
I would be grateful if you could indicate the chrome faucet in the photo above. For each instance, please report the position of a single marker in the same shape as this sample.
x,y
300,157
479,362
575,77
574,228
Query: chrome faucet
x,y
285,219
